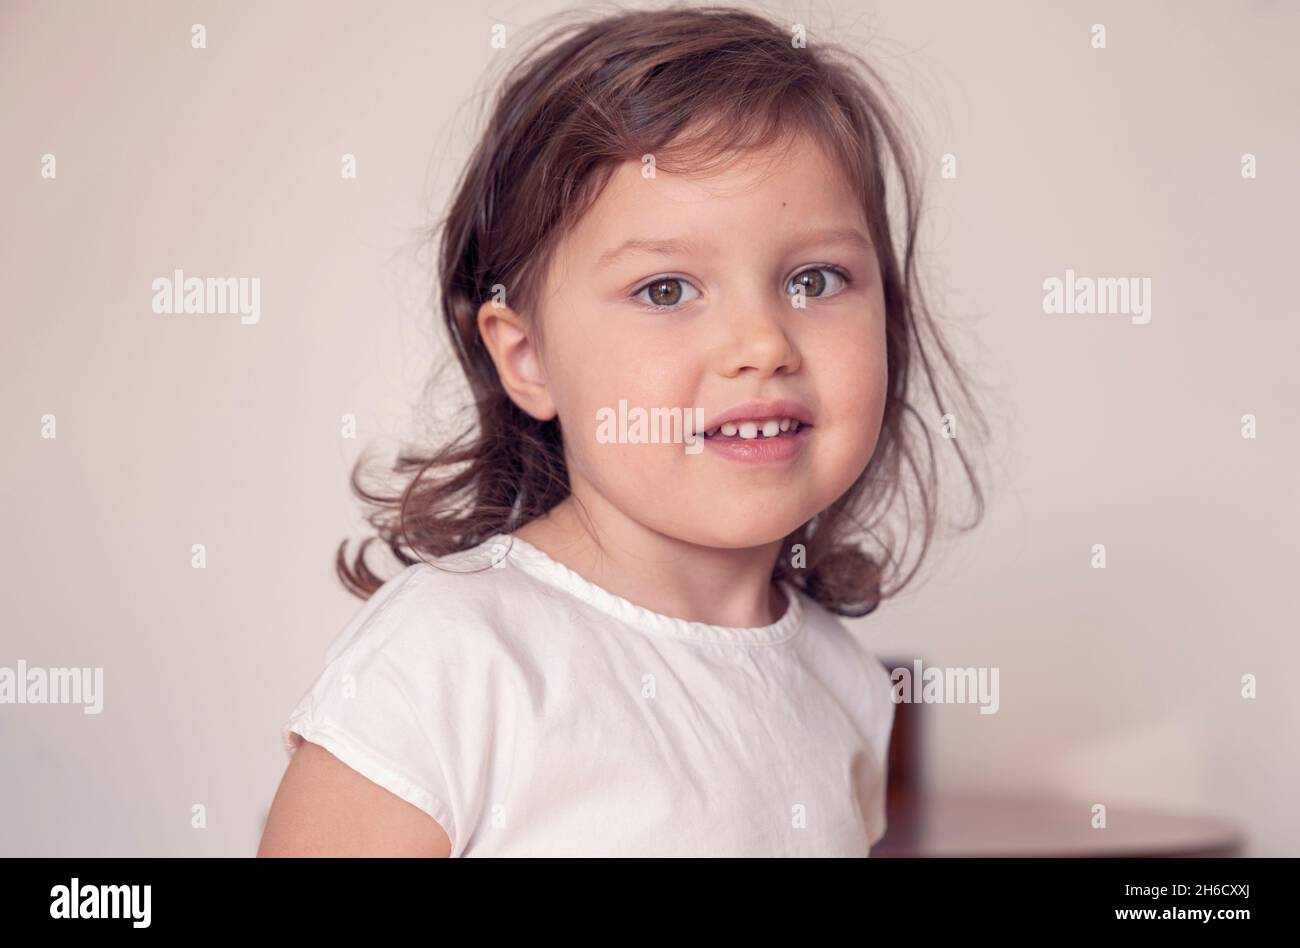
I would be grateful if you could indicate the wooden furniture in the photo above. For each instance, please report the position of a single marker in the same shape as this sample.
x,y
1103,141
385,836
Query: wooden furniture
x,y
1007,826
923,821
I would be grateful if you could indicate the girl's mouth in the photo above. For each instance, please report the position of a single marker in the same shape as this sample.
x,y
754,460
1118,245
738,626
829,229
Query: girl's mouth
x,y
751,443
756,430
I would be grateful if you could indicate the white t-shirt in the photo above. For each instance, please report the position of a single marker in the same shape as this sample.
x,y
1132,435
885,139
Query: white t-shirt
x,y
533,713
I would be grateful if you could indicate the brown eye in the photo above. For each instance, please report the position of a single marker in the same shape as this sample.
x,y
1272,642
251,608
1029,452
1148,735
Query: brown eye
x,y
813,280
664,293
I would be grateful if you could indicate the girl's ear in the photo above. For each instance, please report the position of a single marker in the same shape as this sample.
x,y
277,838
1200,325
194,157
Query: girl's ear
x,y
514,351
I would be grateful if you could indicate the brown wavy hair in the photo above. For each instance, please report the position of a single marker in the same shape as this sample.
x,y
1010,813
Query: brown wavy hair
x,y
692,86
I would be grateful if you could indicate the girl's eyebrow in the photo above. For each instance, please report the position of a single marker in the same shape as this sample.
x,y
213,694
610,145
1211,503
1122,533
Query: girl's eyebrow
x,y
674,245
637,245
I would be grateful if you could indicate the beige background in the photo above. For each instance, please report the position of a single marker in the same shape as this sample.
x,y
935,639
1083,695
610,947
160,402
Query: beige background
x,y
1116,685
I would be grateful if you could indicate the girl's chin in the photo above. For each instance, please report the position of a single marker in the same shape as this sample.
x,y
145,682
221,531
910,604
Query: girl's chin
x,y
743,534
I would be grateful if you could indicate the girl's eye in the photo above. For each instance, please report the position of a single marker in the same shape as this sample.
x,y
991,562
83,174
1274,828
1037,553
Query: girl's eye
x,y
664,293
814,283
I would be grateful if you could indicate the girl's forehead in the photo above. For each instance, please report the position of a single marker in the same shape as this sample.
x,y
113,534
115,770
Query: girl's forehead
x,y
767,188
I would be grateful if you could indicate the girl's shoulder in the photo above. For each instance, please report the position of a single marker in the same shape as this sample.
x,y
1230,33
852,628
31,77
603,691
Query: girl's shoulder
x,y
391,701
428,602
851,666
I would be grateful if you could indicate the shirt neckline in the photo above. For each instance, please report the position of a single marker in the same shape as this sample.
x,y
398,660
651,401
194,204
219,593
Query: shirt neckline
x,y
540,565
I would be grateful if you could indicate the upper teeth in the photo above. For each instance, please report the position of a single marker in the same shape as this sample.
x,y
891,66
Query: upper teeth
x,y
753,429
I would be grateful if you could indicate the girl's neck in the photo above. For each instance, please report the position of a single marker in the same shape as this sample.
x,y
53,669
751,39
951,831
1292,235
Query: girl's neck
x,y
673,577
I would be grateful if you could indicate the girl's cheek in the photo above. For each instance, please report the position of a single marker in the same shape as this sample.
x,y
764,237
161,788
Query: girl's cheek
x,y
850,367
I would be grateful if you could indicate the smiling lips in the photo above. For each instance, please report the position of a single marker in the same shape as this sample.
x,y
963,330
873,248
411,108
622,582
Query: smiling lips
x,y
753,420
750,430
760,432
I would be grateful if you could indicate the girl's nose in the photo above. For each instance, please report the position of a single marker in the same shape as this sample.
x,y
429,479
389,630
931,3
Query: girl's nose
x,y
756,338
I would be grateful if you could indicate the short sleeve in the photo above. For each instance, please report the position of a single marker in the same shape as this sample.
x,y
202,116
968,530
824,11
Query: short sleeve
x,y
876,820
878,720
370,708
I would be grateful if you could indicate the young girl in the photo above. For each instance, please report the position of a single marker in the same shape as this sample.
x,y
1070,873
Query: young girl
x,y
669,275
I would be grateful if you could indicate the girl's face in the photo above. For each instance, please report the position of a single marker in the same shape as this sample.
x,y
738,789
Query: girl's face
x,y
724,258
